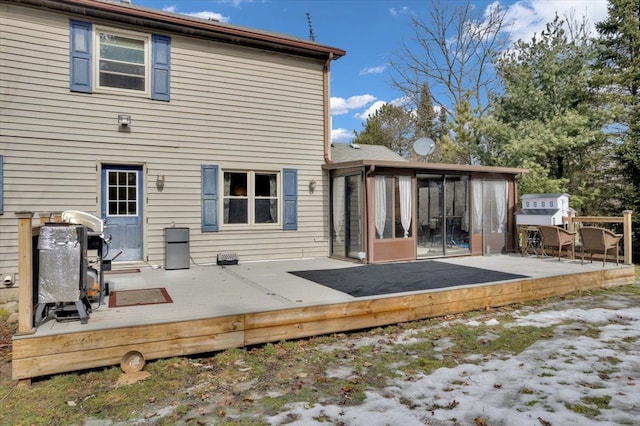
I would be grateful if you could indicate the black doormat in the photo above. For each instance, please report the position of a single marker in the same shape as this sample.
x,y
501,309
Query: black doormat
x,y
374,280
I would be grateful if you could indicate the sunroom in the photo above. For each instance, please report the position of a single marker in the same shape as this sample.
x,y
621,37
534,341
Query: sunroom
x,y
385,209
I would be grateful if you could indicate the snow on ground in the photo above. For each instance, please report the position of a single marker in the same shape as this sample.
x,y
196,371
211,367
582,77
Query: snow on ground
x,y
548,384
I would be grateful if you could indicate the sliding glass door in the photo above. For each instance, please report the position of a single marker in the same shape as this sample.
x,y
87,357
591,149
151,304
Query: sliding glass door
x,y
430,215
346,216
443,215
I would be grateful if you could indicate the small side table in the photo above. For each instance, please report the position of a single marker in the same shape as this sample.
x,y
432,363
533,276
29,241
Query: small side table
x,y
531,240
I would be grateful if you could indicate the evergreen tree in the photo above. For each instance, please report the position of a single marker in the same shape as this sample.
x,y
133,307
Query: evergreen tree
x,y
425,114
391,126
546,119
617,79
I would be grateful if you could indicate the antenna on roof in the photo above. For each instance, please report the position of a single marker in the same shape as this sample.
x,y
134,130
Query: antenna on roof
x,y
311,36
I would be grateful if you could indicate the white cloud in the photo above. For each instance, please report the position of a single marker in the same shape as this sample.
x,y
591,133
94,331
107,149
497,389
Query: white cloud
x,y
341,135
235,3
341,106
400,102
395,12
212,16
526,17
374,70
371,110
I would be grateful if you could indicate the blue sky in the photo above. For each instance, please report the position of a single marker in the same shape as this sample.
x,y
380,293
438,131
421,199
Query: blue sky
x,y
371,31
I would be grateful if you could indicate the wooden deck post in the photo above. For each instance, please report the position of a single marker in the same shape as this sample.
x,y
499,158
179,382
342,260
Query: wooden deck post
x,y
25,273
571,221
627,237
44,217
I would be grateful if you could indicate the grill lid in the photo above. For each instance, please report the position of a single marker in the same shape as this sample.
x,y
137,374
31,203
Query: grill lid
x,y
77,217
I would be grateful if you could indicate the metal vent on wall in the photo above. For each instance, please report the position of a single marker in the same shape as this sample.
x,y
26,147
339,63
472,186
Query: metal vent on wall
x,y
227,259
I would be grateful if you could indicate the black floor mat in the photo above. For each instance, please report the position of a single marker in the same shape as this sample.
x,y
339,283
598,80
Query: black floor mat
x,y
374,280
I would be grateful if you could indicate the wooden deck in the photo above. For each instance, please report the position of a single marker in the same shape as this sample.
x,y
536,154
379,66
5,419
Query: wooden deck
x,y
216,308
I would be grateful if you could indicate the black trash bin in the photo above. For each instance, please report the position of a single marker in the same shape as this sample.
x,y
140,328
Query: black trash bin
x,y
176,251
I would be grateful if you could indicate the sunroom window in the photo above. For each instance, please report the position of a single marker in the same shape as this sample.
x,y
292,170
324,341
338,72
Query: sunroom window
x,y
122,62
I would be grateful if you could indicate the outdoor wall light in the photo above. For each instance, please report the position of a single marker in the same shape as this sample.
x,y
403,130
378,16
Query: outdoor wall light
x,y
124,120
160,183
312,186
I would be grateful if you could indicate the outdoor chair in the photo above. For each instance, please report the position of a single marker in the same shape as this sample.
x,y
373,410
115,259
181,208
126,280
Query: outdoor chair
x,y
599,240
554,236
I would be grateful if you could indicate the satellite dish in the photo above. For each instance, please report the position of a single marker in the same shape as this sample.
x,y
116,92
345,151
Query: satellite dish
x,y
424,146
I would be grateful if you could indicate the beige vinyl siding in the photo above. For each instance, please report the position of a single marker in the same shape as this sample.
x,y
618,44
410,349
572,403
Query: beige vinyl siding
x,y
235,107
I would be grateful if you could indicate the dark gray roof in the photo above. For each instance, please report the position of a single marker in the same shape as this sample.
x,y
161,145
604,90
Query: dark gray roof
x,y
549,195
538,212
342,152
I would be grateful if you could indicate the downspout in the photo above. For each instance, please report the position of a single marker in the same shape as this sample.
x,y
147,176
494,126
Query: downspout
x,y
327,100
327,137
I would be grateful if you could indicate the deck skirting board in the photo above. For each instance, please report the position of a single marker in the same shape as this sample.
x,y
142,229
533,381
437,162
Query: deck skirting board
x,y
35,356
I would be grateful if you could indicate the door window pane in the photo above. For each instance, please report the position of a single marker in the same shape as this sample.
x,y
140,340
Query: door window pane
x,y
122,192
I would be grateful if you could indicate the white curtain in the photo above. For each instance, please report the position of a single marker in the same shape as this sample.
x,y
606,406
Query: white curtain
x,y
338,207
381,205
227,192
405,203
273,205
500,197
477,206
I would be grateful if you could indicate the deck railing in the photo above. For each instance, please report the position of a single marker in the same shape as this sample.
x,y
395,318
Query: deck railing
x,y
573,222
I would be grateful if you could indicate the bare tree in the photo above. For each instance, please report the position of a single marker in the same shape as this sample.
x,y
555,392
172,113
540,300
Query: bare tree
x,y
452,52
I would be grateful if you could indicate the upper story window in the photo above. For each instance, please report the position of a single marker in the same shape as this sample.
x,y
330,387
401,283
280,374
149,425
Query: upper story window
x,y
535,204
543,204
116,60
527,204
550,203
122,61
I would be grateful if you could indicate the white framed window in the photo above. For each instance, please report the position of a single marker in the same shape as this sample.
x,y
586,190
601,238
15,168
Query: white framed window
x,y
121,61
550,203
250,197
543,204
527,204
535,204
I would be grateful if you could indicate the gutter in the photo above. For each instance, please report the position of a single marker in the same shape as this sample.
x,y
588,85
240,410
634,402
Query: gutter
x,y
183,24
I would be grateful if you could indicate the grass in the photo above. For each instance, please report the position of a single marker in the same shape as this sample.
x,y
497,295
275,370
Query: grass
x,y
242,386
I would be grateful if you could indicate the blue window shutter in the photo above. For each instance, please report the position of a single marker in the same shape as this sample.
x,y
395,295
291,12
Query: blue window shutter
x,y
290,190
161,58
209,198
80,56
1,185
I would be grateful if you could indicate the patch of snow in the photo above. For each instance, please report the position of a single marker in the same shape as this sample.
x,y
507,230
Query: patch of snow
x,y
540,384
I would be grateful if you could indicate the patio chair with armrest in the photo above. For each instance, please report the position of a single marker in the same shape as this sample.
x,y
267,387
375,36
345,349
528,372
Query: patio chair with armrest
x,y
556,237
599,240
